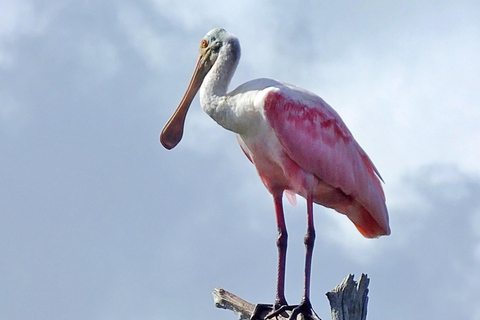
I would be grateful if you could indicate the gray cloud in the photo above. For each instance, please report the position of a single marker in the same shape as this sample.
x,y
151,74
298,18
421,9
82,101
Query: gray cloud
x,y
97,221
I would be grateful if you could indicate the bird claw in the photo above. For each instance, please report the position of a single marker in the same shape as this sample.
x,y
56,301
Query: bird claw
x,y
281,311
262,311
304,308
268,311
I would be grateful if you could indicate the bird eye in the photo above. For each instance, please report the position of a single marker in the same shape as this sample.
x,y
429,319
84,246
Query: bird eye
x,y
204,43
216,46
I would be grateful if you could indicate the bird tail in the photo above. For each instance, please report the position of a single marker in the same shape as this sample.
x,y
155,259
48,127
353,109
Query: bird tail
x,y
365,223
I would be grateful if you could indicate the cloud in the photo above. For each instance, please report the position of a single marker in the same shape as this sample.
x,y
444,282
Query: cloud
x,y
433,244
19,19
151,44
98,221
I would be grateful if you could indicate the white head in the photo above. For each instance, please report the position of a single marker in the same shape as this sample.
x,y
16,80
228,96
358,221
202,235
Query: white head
x,y
210,49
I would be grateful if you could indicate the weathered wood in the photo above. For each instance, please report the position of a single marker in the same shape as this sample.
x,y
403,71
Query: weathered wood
x,y
226,300
348,301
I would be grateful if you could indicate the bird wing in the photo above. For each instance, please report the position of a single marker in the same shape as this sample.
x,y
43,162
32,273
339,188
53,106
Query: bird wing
x,y
315,137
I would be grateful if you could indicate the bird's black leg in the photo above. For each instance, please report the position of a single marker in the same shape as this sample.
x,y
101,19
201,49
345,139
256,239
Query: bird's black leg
x,y
263,311
282,240
309,241
305,307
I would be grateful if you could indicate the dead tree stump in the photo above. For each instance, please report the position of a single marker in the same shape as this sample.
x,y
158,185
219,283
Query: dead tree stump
x,y
348,301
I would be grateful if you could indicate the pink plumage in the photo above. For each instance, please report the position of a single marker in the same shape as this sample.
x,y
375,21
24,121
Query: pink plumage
x,y
316,139
298,144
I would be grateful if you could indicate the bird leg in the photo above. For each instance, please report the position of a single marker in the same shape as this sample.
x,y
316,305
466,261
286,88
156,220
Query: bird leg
x,y
280,306
305,307
309,241
282,239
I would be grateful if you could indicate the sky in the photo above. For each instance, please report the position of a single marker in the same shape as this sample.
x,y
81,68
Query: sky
x,y
98,221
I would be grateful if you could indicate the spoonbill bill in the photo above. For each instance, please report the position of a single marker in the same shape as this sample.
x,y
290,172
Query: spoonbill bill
x,y
298,144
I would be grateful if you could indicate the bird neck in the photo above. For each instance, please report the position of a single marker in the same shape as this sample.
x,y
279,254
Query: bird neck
x,y
213,92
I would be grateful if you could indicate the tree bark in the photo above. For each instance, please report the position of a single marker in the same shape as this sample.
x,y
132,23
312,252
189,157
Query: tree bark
x,y
348,301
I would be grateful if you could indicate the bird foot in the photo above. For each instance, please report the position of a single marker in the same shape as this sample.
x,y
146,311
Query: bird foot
x,y
306,310
268,311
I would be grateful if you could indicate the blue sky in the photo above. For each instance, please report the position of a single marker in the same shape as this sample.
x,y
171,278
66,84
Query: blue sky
x,y
98,221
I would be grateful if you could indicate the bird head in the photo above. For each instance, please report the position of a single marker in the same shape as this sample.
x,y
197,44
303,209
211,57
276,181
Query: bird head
x,y
209,50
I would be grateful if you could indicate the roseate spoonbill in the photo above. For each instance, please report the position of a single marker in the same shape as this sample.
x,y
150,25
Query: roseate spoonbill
x,y
297,143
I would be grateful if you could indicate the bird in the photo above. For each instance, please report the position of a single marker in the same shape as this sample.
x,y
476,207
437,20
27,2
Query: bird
x,y
298,144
